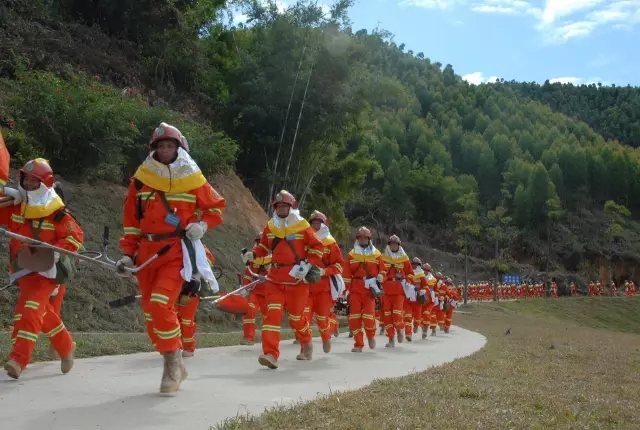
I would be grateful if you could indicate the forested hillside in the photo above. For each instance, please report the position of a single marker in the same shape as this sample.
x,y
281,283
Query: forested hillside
x,y
347,119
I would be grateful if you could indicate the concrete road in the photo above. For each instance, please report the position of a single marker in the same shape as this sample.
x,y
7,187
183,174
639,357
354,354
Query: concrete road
x,y
121,392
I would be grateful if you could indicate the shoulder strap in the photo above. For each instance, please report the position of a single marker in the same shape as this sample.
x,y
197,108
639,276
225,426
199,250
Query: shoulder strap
x,y
276,241
36,230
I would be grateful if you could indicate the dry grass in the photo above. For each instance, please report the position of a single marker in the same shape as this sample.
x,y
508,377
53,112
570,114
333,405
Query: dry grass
x,y
550,372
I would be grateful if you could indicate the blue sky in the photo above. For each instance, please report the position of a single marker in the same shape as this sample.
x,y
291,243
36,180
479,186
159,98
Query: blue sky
x,y
578,41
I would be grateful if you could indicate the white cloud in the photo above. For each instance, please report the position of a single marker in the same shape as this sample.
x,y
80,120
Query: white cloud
x,y
478,78
557,21
577,81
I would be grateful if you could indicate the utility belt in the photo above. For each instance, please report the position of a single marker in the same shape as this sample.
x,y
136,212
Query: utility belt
x,y
151,237
279,265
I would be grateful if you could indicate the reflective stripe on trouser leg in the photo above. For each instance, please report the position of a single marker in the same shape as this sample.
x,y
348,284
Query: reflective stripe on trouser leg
x,y
296,298
54,329
187,317
275,299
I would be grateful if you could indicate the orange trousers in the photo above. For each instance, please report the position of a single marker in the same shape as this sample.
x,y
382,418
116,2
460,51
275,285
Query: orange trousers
x,y
160,284
362,309
425,319
56,301
34,314
257,303
448,318
187,318
320,304
394,313
412,316
437,316
293,299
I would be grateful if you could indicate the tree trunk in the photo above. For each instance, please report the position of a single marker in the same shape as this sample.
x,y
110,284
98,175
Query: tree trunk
x,y
466,269
495,288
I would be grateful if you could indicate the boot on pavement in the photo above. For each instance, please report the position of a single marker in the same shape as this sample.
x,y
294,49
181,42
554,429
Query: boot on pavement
x,y
187,354
53,354
372,343
66,363
400,336
391,343
174,372
268,360
326,346
246,341
306,352
13,369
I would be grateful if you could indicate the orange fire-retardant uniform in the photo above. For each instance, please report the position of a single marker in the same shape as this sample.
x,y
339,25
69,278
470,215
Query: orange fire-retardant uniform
x,y
413,310
397,268
320,300
34,312
146,232
429,308
437,313
257,298
448,318
187,314
283,292
362,305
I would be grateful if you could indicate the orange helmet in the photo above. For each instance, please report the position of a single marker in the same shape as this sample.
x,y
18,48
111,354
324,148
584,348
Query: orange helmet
x,y
439,275
165,131
39,168
394,239
427,267
317,215
449,280
285,197
416,261
363,232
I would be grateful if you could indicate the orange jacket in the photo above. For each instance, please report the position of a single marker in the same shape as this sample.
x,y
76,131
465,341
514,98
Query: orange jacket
x,y
259,266
144,213
57,228
421,282
332,263
358,267
396,270
281,242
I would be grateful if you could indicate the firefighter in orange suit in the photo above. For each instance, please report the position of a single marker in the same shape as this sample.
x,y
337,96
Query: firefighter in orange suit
x,y
167,195
429,308
413,308
320,299
363,273
257,299
451,298
398,272
39,212
437,313
187,307
296,261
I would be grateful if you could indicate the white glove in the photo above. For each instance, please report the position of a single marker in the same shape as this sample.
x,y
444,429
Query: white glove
x,y
125,261
380,278
17,195
322,271
247,257
213,285
196,230
300,273
55,292
56,257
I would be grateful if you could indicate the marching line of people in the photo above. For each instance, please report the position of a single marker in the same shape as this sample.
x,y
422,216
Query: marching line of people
x,y
295,267
484,291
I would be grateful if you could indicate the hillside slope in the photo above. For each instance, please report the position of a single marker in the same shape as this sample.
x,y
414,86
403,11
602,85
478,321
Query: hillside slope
x,y
97,205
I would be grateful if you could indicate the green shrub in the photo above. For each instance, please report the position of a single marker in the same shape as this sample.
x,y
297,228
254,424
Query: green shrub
x,y
91,130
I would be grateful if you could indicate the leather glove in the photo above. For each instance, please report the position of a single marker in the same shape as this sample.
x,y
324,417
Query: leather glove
x,y
247,257
56,257
18,196
125,261
196,230
380,278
